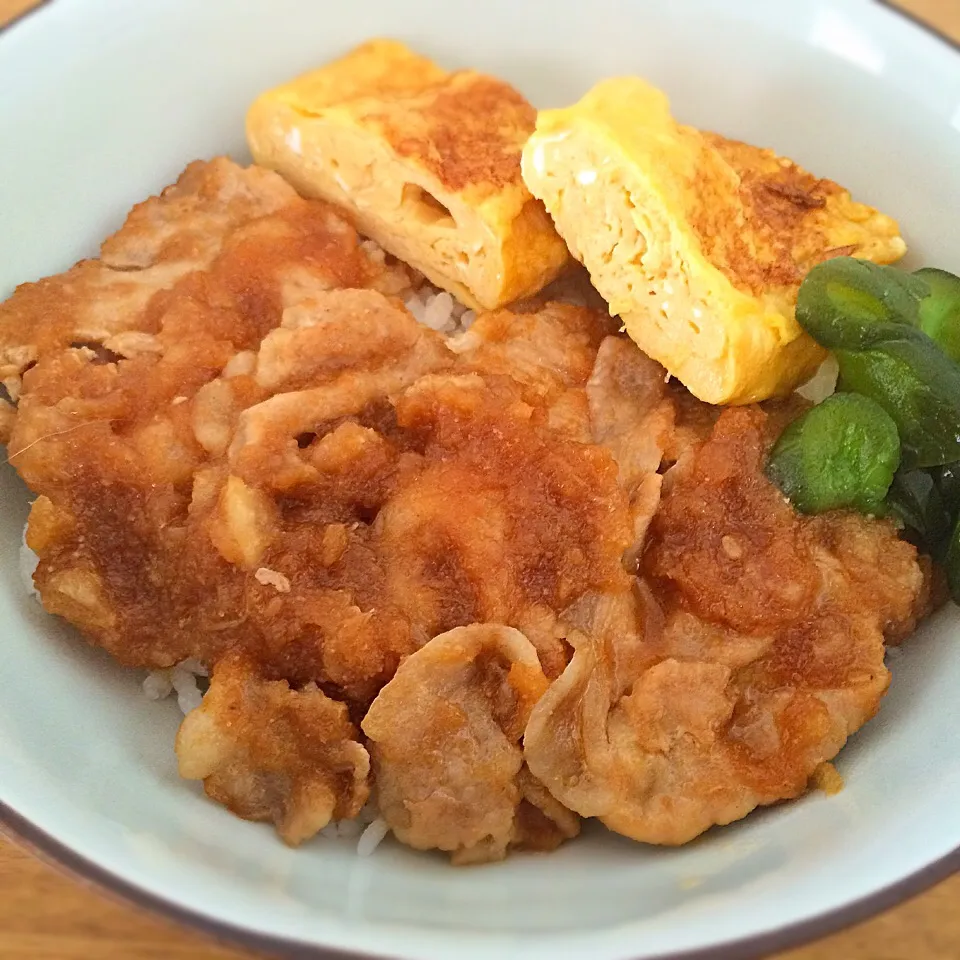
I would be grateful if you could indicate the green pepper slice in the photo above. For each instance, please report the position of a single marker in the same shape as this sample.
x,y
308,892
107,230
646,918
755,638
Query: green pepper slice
x,y
842,301
915,499
952,564
842,453
917,385
940,312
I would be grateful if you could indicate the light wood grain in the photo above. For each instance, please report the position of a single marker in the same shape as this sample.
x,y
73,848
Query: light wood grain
x,y
47,916
943,14
10,9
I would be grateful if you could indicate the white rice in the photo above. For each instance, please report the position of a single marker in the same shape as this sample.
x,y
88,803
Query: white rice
x,y
375,253
438,310
372,837
441,311
28,564
368,829
157,685
431,306
352,829
823,383
182,679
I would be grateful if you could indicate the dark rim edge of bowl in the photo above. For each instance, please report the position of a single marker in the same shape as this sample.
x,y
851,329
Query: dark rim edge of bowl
x,y
50,850
56,854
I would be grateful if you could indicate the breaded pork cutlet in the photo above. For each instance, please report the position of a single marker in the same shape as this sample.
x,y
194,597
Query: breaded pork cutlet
x,y
266,464
500,579
763,651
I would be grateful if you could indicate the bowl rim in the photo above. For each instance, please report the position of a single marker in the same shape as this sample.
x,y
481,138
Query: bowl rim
x,y
22,832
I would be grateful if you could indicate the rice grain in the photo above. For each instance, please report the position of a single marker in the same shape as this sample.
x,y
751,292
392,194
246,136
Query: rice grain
x,y
823,383
372,837
28,565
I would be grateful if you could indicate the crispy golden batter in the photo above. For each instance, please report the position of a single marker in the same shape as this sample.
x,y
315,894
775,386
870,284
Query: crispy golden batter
x,y
271,753
445,743
762,652
346,496
290,470
633,414
548,350
112,304
266,464
538,520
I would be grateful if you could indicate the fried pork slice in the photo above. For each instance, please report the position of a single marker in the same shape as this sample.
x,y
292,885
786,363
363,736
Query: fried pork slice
x,y
550,351
326,502
634,415
334,356
122,449
505,522
762,653
194,275
542,822
267,752
284,466
566,744
108,305
445,744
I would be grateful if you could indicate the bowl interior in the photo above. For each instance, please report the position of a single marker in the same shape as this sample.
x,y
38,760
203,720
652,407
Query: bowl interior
x,y
120,97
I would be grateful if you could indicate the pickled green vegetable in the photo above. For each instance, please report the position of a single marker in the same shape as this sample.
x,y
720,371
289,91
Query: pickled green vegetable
x,y
896,337
947,479
915,499
940,312
842,453
917,385
952,564
842,301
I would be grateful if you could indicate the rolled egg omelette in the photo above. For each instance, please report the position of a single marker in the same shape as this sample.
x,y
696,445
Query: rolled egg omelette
x,y
425,162
697,242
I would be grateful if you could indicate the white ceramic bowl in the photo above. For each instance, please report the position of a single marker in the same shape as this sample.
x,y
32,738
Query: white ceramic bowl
x,y
104,101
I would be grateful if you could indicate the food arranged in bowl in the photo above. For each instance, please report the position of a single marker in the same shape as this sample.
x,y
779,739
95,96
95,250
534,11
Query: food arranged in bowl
x,y
460,446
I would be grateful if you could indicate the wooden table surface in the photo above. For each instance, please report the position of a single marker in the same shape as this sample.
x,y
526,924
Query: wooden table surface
x,y
46,916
